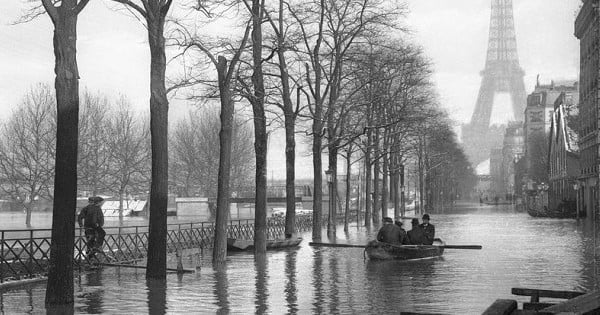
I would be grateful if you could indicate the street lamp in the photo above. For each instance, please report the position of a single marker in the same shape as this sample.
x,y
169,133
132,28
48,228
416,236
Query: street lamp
x,y
331,217
576,189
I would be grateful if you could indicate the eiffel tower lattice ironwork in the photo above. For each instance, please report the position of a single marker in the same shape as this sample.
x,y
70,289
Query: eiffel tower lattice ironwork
x,y
502,73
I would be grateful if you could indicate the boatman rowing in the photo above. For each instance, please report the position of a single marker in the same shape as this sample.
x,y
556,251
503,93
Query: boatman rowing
x,y
389,232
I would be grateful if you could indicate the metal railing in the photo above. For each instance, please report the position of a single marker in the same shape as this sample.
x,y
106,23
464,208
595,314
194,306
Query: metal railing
x,y
25,253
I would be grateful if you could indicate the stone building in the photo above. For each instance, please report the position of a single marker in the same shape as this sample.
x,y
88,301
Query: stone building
x,y
586,30
512,151
563,166
538,114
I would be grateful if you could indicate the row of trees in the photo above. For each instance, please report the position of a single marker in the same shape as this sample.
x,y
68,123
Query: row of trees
x,y
361,89
114,151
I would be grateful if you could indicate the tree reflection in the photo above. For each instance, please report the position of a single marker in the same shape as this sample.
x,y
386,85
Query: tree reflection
x,y
291,291
262,292
93,299
157,296
318,281
222,288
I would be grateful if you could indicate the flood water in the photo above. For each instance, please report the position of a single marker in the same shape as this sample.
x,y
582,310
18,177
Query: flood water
x,y
518,251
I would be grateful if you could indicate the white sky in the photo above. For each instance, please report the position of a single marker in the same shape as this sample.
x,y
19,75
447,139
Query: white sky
x,y
113,55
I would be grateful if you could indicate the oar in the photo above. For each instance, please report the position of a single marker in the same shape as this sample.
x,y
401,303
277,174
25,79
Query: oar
x,y
335,245
462,246
394,245
442,246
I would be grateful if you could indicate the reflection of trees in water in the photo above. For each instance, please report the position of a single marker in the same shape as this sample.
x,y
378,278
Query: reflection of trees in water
x,y
334,287
262,291
291,291
91,292
396,284
221,290
157,296
318,281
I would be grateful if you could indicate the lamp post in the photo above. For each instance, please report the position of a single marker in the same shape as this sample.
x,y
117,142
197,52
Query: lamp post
x,y
576,189
331,216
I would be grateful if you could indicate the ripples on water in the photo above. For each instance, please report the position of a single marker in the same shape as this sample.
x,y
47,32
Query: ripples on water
x,y
518,251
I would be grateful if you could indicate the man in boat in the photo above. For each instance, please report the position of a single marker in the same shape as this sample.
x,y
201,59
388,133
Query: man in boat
x,y
389,232
92,219
428,230
416,235
403,236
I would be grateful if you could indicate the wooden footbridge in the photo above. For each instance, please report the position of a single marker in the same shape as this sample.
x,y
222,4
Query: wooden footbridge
x,y
24,253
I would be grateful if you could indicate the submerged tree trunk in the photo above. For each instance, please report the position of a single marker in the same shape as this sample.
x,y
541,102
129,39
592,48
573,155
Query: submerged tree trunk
x,y
384,186
332,219
260,132
368,214
59,288
223,186
159,113
376,191
348,190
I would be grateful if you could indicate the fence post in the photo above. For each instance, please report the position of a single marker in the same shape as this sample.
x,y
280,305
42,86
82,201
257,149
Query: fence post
x,y
31,245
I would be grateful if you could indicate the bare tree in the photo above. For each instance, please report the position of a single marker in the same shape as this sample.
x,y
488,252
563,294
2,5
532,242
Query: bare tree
x,y
154,13
256,97
226,74
64,14
129,151
92,169
27,143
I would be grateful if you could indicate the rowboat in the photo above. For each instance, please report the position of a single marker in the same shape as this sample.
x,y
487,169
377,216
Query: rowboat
x,y
234,244
384,251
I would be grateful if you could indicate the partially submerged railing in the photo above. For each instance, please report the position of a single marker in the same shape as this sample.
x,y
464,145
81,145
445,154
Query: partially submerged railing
x,y
25,253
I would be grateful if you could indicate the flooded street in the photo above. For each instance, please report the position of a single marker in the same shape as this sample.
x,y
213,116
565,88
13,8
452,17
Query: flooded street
x,y
518,251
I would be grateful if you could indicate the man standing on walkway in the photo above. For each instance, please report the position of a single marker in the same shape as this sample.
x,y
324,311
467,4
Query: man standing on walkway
x,y
93,220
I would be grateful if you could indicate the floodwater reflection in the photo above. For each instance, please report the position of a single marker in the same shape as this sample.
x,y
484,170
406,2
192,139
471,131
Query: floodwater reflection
x,y
262,290
517,251
92,293
221,290
157,296
291,291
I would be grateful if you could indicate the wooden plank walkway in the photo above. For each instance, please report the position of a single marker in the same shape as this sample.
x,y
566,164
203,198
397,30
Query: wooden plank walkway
x,y
576,303
582,304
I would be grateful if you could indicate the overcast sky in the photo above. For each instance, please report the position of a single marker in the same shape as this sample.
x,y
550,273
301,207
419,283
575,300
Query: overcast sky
x,y
113,55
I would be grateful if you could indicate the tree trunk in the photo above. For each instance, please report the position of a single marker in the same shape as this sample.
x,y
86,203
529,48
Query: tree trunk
x,y
376,207
403,191
384,186
332,221
318,178
348,189
28,209
159,113
223,187
260,132
59,289
290,124
121,206
368,214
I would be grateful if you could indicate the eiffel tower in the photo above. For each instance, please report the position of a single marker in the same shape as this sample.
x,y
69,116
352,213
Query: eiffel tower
x,y
502,73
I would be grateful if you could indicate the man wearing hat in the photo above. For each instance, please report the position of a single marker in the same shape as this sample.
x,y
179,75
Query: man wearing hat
x,y
416,235
93,220
389,232
428,230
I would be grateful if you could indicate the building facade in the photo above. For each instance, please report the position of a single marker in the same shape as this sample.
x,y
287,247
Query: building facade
x,y
512,151
563,166
586,30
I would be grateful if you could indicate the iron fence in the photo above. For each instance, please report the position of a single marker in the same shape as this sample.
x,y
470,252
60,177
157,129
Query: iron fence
x,y
25,253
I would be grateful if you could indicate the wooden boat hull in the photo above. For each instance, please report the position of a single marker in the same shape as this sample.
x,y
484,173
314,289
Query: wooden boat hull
x,y
239,245
382,251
